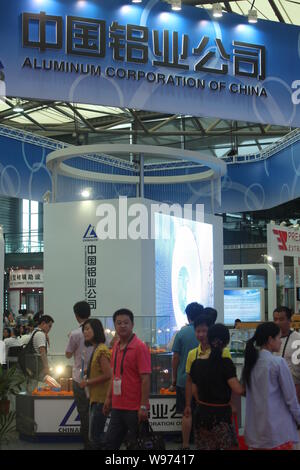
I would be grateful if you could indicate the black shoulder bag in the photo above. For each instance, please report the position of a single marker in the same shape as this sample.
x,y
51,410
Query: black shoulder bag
x,y
146,439
30,363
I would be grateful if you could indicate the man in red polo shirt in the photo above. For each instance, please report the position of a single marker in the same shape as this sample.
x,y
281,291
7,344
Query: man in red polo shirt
x,y
128,394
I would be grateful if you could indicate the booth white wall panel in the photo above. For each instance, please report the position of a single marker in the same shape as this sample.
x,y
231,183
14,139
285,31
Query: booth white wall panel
x,y
121,267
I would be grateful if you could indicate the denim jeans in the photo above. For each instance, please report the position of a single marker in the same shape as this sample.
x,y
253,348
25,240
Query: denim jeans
x,y
97,424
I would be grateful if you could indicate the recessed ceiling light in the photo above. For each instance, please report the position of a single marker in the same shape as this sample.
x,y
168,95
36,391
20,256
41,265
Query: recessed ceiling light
x,y
252,16
217,10
176,5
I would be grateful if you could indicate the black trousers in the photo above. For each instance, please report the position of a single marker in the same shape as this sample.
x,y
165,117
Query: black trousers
x,y
83,406
122,423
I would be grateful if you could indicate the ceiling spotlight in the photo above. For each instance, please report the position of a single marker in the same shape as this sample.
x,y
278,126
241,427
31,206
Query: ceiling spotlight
x,y
176,5
136,1
217,10
252,16
18,108
85,193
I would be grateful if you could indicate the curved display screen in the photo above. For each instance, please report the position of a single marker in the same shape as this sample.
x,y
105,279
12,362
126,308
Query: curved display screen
x,y
183,268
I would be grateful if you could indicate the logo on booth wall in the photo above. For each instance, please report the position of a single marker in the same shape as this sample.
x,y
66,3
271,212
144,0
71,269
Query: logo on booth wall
x,y
90,233
71,418
281,237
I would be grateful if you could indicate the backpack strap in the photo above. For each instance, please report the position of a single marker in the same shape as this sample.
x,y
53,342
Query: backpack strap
x,y
29,345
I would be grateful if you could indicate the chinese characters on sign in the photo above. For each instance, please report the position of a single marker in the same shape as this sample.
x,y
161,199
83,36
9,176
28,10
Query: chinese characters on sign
x,y
86,37
163,415
135,44
23,278
91,275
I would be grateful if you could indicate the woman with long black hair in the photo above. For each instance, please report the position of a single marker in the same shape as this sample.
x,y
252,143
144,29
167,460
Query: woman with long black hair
x,y
97,379
272,409
213,380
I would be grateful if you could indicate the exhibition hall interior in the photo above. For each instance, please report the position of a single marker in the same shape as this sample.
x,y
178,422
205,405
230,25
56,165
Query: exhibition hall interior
x,y
149,211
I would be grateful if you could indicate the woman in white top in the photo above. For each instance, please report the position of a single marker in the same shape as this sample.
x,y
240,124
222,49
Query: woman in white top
x,y
272,409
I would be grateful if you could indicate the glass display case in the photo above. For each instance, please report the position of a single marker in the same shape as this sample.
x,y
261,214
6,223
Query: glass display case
x,y
157,334
44,411
154,331
61,371
239,337
161,377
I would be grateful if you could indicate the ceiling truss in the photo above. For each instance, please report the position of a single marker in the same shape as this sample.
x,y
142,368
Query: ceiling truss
x,y
157,128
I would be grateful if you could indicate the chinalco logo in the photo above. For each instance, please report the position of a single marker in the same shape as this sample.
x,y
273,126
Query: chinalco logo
x,y
90,234
71,421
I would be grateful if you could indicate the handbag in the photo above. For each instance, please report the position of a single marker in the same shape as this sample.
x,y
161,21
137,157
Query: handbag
x,y
146,439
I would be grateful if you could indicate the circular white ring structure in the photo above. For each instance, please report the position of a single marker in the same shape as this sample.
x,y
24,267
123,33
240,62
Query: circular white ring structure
x,y
217,168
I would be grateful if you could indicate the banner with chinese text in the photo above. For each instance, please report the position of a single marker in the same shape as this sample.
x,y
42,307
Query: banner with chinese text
x,y
146,56
26,278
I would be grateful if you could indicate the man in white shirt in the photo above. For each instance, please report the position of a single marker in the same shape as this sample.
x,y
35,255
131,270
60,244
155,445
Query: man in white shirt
x,y
76,348
12,341
24,339
2,353
282,316
40,335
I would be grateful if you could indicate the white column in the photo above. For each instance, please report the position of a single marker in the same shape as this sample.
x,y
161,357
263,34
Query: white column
x,y
14,301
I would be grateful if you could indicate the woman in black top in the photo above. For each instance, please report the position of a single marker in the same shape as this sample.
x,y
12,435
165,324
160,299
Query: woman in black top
x,y
213,381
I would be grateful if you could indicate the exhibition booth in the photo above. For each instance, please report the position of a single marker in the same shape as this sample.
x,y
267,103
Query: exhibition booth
x,y
132,244
155,277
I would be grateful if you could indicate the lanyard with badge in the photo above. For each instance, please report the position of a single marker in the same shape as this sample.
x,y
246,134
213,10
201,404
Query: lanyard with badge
x,y
286,343
117,383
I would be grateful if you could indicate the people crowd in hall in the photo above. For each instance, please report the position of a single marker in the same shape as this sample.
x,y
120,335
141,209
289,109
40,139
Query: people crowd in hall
x,y
113,378
17,330
203,375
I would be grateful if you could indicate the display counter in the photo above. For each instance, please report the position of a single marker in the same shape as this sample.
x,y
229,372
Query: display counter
x,y
55,414
45,413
